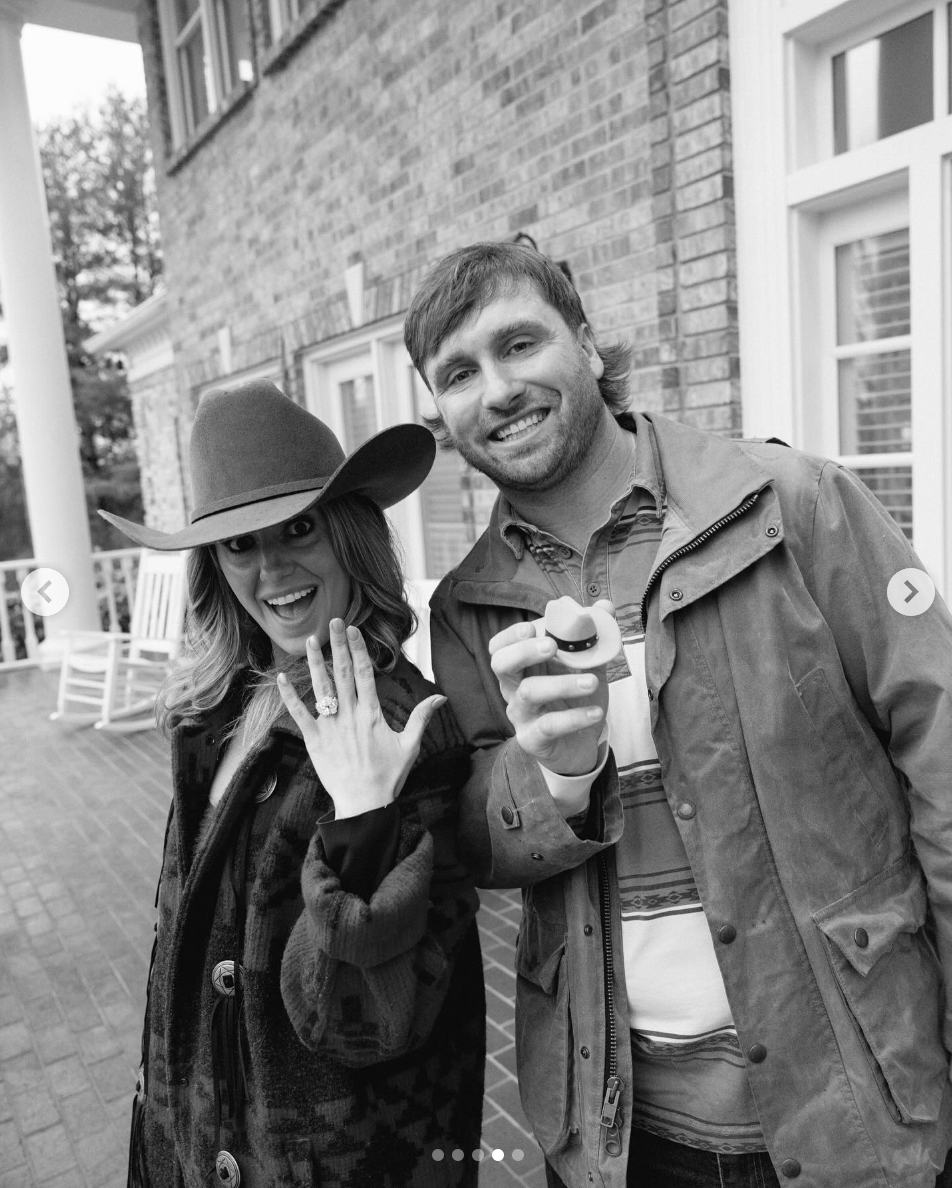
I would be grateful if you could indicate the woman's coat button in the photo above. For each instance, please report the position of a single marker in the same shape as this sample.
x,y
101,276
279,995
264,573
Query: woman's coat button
x,y
756,1053
861,936
262,796
223,978
686,810
727,934
790,1168
226,1169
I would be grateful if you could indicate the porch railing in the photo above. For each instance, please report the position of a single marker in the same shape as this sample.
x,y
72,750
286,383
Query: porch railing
x,y
21,632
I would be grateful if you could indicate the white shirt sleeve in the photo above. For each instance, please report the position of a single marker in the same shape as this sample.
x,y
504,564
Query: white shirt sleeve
x,y
571,793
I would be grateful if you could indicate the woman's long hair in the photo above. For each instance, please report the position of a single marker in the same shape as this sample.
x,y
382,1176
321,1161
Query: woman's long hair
x,y
222,639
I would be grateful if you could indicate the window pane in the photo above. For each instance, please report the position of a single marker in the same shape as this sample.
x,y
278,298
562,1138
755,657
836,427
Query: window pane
x,y
235,34
456,500
358,410
892,486
193,64
872,287
184,9
883,86
875,408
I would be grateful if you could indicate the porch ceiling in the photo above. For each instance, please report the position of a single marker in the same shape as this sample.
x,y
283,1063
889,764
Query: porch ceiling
x,y
100,18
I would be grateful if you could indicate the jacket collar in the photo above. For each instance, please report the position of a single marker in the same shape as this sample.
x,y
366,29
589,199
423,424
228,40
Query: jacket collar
x,y
704,477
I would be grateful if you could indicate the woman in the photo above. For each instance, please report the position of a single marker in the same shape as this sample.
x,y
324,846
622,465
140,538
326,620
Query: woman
x,y
315,1011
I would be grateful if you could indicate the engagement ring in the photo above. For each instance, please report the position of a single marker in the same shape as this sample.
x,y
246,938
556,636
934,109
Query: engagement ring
x,y
327,706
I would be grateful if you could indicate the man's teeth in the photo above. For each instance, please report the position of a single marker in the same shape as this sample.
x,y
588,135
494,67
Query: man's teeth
x,y
285,599
520,425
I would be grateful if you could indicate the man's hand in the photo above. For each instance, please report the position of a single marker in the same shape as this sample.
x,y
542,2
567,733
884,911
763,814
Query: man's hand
x,y
557,713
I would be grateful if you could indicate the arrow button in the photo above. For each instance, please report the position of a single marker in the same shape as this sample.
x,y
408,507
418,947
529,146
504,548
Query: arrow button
x,y
910,592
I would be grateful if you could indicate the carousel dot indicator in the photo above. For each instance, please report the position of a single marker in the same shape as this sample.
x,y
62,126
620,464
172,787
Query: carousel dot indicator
x,y
499,1155
518,1155
479,1156
438,1155
458,1155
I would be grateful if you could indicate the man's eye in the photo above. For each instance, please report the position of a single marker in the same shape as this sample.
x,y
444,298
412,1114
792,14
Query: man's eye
x,y
520,345
457,377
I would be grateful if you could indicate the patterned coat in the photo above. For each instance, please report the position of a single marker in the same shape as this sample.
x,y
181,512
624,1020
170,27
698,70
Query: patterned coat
x,y
362,1023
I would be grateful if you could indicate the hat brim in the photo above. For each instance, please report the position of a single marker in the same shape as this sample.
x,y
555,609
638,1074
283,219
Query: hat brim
x,y
607,646
387,468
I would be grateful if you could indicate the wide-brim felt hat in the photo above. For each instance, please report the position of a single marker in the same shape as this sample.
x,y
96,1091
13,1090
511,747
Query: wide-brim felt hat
x,y
257,459
586,636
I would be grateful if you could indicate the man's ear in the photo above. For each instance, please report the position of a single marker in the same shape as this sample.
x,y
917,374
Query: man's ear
x,y
586,341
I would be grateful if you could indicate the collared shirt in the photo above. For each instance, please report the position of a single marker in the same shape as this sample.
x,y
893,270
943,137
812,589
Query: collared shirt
x,y
690,1081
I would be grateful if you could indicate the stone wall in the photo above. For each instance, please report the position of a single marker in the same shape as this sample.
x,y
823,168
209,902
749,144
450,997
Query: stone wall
x,y
403,128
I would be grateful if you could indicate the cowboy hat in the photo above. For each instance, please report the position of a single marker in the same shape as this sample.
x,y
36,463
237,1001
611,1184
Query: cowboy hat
x,y
586,636
257,459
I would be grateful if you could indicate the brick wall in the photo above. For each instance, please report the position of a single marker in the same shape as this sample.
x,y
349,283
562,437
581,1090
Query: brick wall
x,y
404,128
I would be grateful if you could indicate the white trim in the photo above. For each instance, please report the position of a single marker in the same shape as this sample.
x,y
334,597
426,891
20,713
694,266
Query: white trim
x,y
269,370
142,336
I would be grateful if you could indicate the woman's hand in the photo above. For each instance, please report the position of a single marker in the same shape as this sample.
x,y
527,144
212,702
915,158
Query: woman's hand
x,y
361,762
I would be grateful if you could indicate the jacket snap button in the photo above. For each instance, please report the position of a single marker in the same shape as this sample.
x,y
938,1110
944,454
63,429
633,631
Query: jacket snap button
x,y
726,934
507,815
262,796
686,810
588,930
223,978
861,936
675,595
226,1169
772,529
756,1053
790,1168
537,857
585,1052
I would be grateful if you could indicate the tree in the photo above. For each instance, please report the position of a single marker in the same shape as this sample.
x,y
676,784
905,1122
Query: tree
x,y
100,193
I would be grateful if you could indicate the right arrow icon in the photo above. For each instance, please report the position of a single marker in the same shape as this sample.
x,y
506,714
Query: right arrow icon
x,y
910,592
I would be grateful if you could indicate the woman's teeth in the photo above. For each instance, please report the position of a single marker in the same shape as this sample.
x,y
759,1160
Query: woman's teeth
x,y
288,599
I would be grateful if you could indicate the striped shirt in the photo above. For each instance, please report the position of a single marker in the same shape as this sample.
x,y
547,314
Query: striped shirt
x,y
690,1082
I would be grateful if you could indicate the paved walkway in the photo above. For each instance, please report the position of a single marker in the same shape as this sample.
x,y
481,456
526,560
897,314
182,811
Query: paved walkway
x,y
82,817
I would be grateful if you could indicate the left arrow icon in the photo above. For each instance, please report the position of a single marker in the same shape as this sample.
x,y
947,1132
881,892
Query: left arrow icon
x,y
42,592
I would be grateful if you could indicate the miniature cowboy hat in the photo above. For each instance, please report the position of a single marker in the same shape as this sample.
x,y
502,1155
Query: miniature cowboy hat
x,y
257,459
586,636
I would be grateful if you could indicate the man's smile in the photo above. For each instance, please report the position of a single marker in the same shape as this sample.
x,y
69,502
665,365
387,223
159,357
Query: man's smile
x,y
517,429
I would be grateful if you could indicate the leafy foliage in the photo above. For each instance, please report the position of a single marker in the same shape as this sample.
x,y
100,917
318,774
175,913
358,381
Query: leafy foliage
x,y
100,194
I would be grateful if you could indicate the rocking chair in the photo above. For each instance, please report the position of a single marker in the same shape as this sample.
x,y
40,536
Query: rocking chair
x,y
120,673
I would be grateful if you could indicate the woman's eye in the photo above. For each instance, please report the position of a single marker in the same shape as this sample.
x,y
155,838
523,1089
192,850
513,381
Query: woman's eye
x,y
299,527
238,544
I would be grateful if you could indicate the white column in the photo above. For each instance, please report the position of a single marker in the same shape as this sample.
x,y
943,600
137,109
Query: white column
x,y
49,450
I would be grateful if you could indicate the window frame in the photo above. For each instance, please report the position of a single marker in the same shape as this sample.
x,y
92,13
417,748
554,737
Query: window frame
x,y
221,88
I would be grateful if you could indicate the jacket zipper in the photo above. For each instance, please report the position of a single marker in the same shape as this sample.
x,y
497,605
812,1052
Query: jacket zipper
x,y
691,546
611,1117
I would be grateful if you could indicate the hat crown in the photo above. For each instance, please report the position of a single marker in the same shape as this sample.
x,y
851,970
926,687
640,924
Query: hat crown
x,y
566,620
252,442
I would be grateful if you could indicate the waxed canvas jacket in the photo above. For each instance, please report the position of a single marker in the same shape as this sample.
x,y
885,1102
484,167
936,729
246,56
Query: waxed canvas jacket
x,y
362,1024
804,731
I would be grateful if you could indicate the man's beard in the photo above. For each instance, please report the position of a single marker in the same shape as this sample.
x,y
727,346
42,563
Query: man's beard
x,y
556,462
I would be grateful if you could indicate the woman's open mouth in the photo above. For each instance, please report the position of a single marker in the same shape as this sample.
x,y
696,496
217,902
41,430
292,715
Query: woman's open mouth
x,y
293,606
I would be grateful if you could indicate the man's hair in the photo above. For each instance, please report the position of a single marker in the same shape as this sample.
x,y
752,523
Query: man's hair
x,y
222,639
466,280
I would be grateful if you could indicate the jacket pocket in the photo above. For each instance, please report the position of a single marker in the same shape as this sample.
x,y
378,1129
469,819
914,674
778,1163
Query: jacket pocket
x,y
890,979
843,748
543,1031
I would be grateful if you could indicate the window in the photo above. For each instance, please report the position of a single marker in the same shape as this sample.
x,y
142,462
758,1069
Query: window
x,y
457,500
208,56
283,14
883,85
365,382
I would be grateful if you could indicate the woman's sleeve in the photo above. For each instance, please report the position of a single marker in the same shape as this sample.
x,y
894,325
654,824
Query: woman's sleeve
x,y
365,979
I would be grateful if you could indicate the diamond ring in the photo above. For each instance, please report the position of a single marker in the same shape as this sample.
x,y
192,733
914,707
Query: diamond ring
x,y
327,706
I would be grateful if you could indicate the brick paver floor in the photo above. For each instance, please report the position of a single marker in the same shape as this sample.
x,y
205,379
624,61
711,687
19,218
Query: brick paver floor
x,y
82,815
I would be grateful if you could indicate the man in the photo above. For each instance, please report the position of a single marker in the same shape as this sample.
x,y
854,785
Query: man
x,y
730,966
